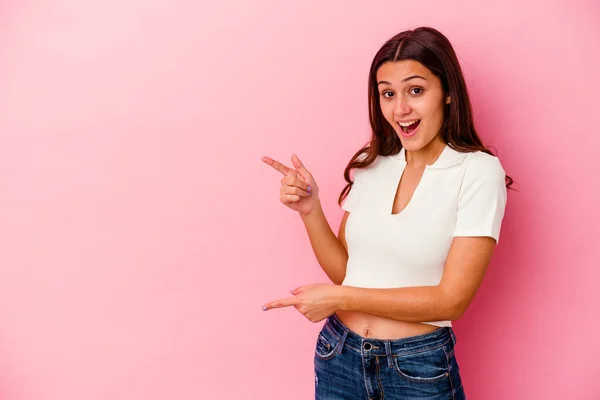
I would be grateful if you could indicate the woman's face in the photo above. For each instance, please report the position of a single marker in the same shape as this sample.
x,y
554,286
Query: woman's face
x,y
412,101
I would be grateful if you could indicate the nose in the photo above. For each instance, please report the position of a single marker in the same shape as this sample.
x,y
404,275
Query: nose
x,y
401,107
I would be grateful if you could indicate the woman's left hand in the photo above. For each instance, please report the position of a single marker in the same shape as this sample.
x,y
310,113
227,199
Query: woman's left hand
x,y
316,302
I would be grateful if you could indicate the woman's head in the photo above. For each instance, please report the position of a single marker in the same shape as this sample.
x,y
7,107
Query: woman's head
x,y
443,95
416,76
410,103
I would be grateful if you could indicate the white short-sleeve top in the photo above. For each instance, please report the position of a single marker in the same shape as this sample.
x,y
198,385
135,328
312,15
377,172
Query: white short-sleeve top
x,y
460,194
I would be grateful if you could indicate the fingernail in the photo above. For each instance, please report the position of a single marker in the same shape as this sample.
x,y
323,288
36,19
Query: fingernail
x,y
309,193
309,188
264,308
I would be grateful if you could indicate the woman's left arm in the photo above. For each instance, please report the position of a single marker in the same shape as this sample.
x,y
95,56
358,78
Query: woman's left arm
x,y
464,270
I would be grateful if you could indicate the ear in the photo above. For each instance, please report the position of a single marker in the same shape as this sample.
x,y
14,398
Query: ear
x,y
448,100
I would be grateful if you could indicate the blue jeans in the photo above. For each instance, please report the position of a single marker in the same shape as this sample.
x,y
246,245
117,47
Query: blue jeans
x,y
351,367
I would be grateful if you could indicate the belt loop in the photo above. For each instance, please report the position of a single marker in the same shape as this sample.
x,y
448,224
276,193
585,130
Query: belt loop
x,y
453,336
388,352
340,345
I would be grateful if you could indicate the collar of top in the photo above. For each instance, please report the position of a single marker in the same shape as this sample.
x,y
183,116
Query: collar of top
x,y
447,159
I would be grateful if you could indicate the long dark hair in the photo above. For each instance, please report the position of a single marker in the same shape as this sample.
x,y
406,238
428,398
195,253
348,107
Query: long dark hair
x,y
434,51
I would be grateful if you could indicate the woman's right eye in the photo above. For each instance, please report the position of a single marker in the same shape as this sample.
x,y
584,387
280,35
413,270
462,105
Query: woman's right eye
x,y
387,94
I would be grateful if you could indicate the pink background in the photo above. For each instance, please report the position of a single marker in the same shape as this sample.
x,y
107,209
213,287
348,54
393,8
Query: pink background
x,y
141,233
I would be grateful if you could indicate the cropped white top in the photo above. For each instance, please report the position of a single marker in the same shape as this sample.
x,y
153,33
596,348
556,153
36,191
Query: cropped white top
x,y
460,194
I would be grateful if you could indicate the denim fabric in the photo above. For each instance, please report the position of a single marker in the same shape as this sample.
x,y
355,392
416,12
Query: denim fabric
x,y
351,367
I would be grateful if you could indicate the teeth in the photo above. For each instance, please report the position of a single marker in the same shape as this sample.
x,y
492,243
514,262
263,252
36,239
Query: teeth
x,y
405,124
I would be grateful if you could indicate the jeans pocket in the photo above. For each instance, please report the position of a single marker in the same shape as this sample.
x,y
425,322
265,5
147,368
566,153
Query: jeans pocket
x,y
327,342
424,366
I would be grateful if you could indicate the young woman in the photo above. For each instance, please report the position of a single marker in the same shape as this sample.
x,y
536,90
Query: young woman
x,y
422,219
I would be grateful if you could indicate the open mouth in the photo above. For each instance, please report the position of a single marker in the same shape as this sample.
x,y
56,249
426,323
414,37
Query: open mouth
x,y
410,127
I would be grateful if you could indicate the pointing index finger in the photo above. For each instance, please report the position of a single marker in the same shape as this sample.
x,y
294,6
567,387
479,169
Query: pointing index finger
x,y
278,166
289,301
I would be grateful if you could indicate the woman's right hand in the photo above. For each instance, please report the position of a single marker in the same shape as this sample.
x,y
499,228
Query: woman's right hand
x,y
299,190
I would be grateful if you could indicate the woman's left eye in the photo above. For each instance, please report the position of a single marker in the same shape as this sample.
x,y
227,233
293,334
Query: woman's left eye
x,y
419,90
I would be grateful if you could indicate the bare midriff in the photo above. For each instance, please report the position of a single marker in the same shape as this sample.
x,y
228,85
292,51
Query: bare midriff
x,y
372,326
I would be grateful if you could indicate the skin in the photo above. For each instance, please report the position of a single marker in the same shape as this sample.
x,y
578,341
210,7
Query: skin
x,y
408,91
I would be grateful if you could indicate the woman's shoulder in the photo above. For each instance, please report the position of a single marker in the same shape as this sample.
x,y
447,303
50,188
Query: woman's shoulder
x,y
479,164
374,168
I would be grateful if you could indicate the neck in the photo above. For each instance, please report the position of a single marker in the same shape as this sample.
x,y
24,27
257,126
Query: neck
x,y
427,155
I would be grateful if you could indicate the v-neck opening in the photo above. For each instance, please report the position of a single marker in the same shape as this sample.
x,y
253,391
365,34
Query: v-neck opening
x,y
401,156
396,191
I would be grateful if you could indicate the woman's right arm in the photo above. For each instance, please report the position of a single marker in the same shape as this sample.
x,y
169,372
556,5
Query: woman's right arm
x,y
331,251
300,192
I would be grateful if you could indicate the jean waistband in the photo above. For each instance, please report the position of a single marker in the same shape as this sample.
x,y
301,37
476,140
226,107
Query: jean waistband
x,y
382,347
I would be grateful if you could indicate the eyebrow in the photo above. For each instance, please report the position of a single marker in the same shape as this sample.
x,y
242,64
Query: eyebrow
x,y
403,80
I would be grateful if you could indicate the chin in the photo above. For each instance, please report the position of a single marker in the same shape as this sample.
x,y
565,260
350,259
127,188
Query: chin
x,y
417,142
413,144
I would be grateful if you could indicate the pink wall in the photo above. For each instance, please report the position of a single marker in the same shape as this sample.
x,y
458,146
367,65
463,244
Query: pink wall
x,y
141,233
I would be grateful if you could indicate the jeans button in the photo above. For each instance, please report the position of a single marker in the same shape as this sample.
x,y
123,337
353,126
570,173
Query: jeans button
x,y
367,346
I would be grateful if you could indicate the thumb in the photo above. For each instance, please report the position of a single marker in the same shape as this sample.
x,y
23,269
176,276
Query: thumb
x,y
301,168
298,290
